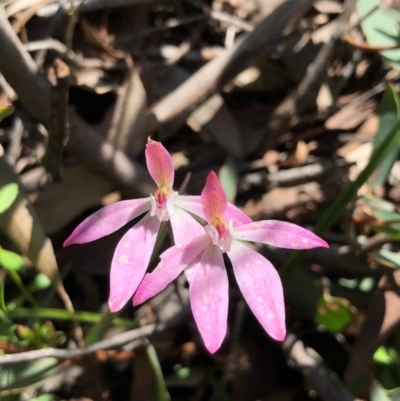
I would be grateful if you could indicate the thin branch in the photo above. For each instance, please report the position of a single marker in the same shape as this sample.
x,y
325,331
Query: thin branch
x,y
33,90
171,112
134,337
59,125
295,102
325,381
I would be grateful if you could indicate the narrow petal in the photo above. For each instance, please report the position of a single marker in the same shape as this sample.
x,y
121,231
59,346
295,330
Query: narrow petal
x,y
279,233
107,220
131,259
209,297
213,198
173,261
159,164
193,205
261,288
238,218
184,227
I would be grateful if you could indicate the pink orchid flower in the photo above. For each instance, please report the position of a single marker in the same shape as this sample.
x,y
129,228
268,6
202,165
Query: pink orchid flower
x,y
134,250
208,282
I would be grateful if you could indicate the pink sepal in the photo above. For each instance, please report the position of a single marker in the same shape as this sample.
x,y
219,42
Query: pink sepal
x,y
213,199
261,288
209,297
280,234
107,220
131,259
159,164
173,261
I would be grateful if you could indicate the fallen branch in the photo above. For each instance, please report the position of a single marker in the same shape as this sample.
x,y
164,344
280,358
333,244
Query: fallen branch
x,y
325,381
33,90
171,112
134,337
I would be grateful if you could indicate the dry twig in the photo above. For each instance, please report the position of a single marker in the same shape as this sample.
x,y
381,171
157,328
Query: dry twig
x,y
33,90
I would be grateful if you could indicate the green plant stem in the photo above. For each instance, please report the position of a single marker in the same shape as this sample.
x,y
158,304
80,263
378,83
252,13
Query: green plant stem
x,y
19,283
62,314
3,306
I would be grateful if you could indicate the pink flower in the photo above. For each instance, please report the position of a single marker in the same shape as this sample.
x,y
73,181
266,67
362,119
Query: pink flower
x,y
203,258
133,252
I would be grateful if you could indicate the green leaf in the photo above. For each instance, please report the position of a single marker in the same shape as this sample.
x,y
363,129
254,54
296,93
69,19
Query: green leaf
x,y
24,374
8,194
334,313
162,392
5,111
384,355
45,397
62,314
381,28
394,394
228,178
388,121
40,282
96,333
11,261
387,258
378,393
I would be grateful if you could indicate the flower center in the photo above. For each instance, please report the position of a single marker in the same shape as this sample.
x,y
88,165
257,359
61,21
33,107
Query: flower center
x,y
162,203
220,233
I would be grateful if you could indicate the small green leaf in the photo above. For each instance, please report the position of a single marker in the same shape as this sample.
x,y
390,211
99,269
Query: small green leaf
x,y
334,313
378,393
11,260
384,355
381,28
5,111
387,258
229,179
45,397
8,194
388,121
24,374
162,392
40,282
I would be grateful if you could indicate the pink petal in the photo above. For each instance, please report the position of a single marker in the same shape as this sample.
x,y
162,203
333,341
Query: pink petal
x,y
279,233
261,288
184,226
131,259
209,297
193,205
236,215
173,261
213,198
107,220
159,164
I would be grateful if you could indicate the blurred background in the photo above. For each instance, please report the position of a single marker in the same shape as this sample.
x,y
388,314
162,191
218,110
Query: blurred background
x,y
294,103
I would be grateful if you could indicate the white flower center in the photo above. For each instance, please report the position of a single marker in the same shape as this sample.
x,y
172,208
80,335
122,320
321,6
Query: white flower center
x,y
163,210
223,242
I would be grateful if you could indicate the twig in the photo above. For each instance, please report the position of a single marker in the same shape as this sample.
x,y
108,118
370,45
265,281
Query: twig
x,y
72,57
303,173
172,111
326,382
16,133
33,90
232,20
133,337
297,101
59,125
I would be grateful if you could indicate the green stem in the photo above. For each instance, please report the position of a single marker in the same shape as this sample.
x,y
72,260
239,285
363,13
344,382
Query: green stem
x,y
62,314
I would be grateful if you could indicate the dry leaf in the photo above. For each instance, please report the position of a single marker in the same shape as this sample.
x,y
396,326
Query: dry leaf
x,y
22,225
